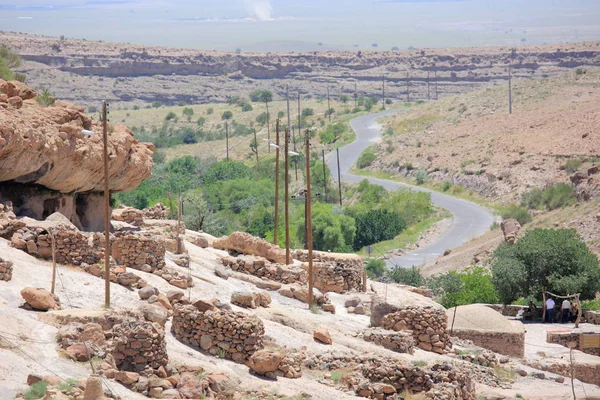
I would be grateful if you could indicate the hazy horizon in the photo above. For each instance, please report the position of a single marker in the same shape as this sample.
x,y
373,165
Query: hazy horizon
x,y
292,25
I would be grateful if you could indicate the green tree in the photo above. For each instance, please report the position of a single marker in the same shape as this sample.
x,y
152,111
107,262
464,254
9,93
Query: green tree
x,y
246,107
375,226
171,115
263,96
157,104
8,61
331,229
227,115
225,170
201,121
555,259
307,112
188,112
195,210
262,118
344,98
406,276
210,110
473,285
332,133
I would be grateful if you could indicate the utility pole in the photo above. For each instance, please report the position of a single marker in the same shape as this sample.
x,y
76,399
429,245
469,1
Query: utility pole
x,y
428,92
287,98
436,83
106,208
288,260
337,150
51,232
299,135
179,249
383,94
309,222
355,95
324,174
256,143
407,88
227,139
328,104
510,88
268,128
276,182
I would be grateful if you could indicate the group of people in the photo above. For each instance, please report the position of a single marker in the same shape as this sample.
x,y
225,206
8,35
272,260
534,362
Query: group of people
x,y
568,311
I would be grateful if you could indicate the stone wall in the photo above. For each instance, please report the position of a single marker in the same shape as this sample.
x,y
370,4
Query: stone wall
x,y
509,310
265,269
428,326
401,342
570,338
157,211
6,268
226,334
380,378
8,220
591,317
136,249
139,344
130,215
338,277
507,343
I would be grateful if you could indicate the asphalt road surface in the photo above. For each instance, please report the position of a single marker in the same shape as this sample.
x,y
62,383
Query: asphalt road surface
x,y
469,220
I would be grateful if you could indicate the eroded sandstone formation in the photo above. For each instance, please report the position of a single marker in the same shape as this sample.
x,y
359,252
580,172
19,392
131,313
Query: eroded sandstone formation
x,y
48,165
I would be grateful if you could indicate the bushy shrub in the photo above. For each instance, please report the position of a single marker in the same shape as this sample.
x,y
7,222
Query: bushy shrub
x,y
246,107
407,276
521,214
227,115
36,391
171,115
210,110
551,198
157,104
332,133
307,112
375,268
421,176
365,159
473,285
572,165
377,225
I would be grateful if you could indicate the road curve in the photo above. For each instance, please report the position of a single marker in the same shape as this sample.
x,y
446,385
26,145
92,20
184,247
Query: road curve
x,y
469,220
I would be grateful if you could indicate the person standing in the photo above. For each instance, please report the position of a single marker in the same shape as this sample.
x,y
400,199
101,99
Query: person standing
x,y
565,310
550,310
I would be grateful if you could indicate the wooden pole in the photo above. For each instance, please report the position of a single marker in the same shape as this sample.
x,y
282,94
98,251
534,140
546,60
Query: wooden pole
x,y
276,183
287,99
328,104
428,91
407,89
106,209
179,249
509,89
453,319
324,174
268,128
287,197
355,95
256,143
53,260
299,134
572,372
544,305
309,223
436,83
227,139
383,93
337,150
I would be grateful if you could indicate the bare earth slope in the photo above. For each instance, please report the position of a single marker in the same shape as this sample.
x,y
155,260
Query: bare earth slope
x,y
87,71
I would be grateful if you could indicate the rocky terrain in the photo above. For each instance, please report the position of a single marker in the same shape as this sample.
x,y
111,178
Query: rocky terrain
x,y
87,72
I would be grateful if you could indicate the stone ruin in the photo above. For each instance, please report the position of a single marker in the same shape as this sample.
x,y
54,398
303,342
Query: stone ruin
x,y
138,344
264,269
400,342
227,334
6,268
338,278
157,211
427,324
136,249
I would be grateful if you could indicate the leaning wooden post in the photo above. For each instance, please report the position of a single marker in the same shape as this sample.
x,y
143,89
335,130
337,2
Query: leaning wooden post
x,y
53,260
544,305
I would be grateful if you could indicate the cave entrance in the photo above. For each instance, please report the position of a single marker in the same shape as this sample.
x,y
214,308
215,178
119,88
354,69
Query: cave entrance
x,y
50,207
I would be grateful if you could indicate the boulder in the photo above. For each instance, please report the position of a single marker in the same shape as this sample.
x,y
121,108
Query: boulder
x,y
329,308
379,309
93,333
164,301
245,299
127,378
222,383
264,299
221,272
510,229
352,302
171,394
154,313
40,299
204,306
175,295
127,279
245,243
190,387
322,335
146,292
93,388
80,352
264,361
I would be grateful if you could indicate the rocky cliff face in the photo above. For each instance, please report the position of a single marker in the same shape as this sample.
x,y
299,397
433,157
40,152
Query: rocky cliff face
x,y
48,165
124,72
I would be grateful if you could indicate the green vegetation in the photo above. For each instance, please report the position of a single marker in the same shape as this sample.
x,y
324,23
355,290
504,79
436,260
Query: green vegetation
x,y
414,125
421,176
227,115
557,260
591,305
157,104
521,214
375,268
171,116
10,60
419,363
367,157
338,374
36,391
572,165
551,198
377,225
332,133
45,98
407,276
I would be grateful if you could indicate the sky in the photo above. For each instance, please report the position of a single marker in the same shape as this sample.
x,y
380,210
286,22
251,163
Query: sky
x,y
302,25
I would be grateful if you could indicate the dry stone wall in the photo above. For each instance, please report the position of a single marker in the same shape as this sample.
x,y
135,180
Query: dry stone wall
x,y
338,278
507,343
266,270
157,211
135,249
591,317
6,268
139,344
401,342
571,339
428,326
226,334
130,215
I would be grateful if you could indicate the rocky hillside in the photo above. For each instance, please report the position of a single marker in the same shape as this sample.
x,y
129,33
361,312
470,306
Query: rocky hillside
x,y
89,71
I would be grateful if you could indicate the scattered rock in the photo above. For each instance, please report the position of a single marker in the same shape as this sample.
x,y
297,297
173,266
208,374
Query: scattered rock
x,y
352,302
171,394
127,378
329,308
265,361
221,271
245,299
521,372
174,296
80,352
510,229
322,335
31,379
40,299
155,313
538,375
146,292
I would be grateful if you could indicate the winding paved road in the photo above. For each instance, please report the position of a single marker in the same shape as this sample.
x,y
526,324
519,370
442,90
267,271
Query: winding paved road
x,y
469,220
